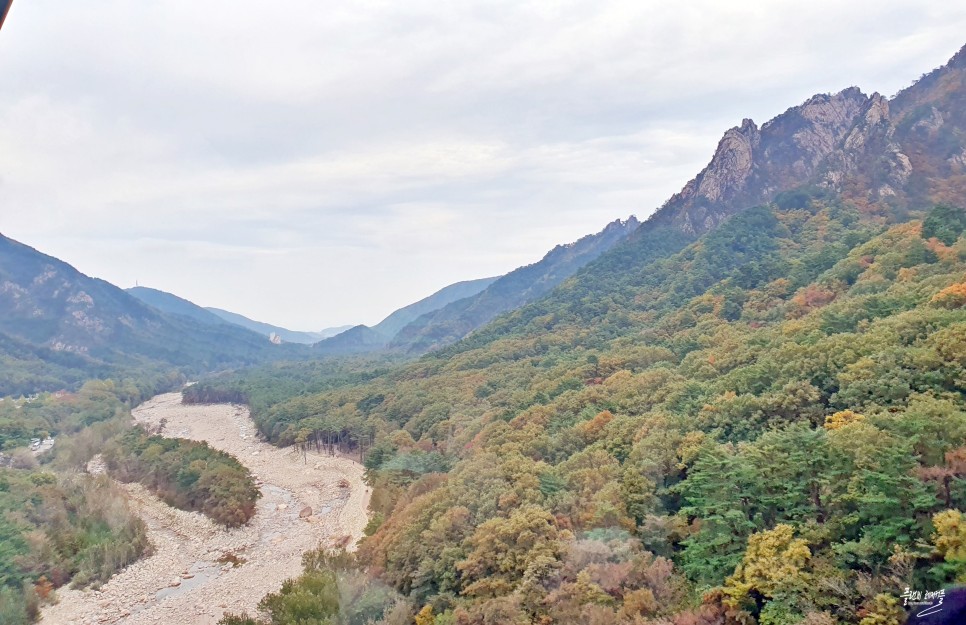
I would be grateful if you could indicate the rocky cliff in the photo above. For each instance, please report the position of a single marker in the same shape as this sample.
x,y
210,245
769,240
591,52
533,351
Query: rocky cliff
x,y
911,149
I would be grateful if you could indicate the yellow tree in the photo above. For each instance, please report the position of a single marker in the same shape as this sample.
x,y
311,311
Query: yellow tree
x,y
773,567
501,550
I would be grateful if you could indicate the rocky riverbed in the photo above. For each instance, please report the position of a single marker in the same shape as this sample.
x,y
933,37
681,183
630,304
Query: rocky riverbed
x,y
199,570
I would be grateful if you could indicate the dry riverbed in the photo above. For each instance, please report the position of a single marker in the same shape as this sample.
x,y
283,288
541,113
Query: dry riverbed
x,y
199,570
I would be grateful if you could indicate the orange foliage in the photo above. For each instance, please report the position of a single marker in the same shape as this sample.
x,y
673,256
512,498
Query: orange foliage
x,y
953,296
944,252
43,588
811,297
591,430
906,274
910,229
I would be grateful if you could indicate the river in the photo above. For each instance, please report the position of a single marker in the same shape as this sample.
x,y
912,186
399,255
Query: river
x,y
199,570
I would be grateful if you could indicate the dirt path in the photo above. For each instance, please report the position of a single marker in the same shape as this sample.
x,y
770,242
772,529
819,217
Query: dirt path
x,y
189,580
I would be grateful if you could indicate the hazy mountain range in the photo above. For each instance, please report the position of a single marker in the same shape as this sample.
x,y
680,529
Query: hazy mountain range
x,y
903,151
57,325
170,303
289,336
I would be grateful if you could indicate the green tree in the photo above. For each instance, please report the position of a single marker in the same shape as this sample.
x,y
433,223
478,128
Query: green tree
x,y
945,223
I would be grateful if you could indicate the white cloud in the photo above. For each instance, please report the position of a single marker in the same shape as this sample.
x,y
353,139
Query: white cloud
x,y
318,163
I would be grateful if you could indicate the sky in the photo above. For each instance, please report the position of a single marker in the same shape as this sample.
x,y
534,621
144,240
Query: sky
x,y
312,163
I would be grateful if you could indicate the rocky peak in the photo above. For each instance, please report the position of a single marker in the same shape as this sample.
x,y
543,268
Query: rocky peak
x,y
877,110
909,148
873,126
795,142
626,225
959,59
751,164
732,163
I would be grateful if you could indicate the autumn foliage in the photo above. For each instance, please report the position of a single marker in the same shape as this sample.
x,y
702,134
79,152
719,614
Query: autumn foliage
x,y
765,427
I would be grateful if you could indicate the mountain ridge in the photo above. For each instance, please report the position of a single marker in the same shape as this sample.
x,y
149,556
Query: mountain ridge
x,y
391,325
520,286
289,336
864,147
48,306
173,304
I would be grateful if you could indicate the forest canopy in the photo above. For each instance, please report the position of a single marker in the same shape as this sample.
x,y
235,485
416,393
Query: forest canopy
x,y
702,436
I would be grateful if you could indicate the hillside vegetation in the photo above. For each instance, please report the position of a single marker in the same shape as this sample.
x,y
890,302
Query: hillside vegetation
x,y
185,474
785,393
57,525
56,529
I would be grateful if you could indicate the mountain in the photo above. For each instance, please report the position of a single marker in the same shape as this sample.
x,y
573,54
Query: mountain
x,y
767,375
455,311
519,287
884,156
174,305
326,333
49,308
288,336
391,325
357,340
906,150
361,339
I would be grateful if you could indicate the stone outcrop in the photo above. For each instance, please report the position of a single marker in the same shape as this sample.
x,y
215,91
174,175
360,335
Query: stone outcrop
x,y
846,142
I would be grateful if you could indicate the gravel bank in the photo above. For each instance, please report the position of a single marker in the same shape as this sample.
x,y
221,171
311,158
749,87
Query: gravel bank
x,y
191,579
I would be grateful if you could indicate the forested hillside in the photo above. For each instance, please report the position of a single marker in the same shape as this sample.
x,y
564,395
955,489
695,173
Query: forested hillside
x,y
751,411
519,287
58,526
786,389
59,327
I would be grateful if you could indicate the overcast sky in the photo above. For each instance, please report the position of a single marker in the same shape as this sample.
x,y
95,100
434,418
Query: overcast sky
x,y
314,163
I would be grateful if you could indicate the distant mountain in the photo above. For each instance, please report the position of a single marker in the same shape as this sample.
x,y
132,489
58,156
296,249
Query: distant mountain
x,y
51,313
453,312
358,340
288,336
330,332
172,304
395,322
519,287
361,339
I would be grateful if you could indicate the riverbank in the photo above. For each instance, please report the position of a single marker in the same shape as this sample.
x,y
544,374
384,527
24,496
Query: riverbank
x,y
199,570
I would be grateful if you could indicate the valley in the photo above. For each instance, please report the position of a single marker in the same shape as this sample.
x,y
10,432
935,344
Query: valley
x,y
748,409
199,568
